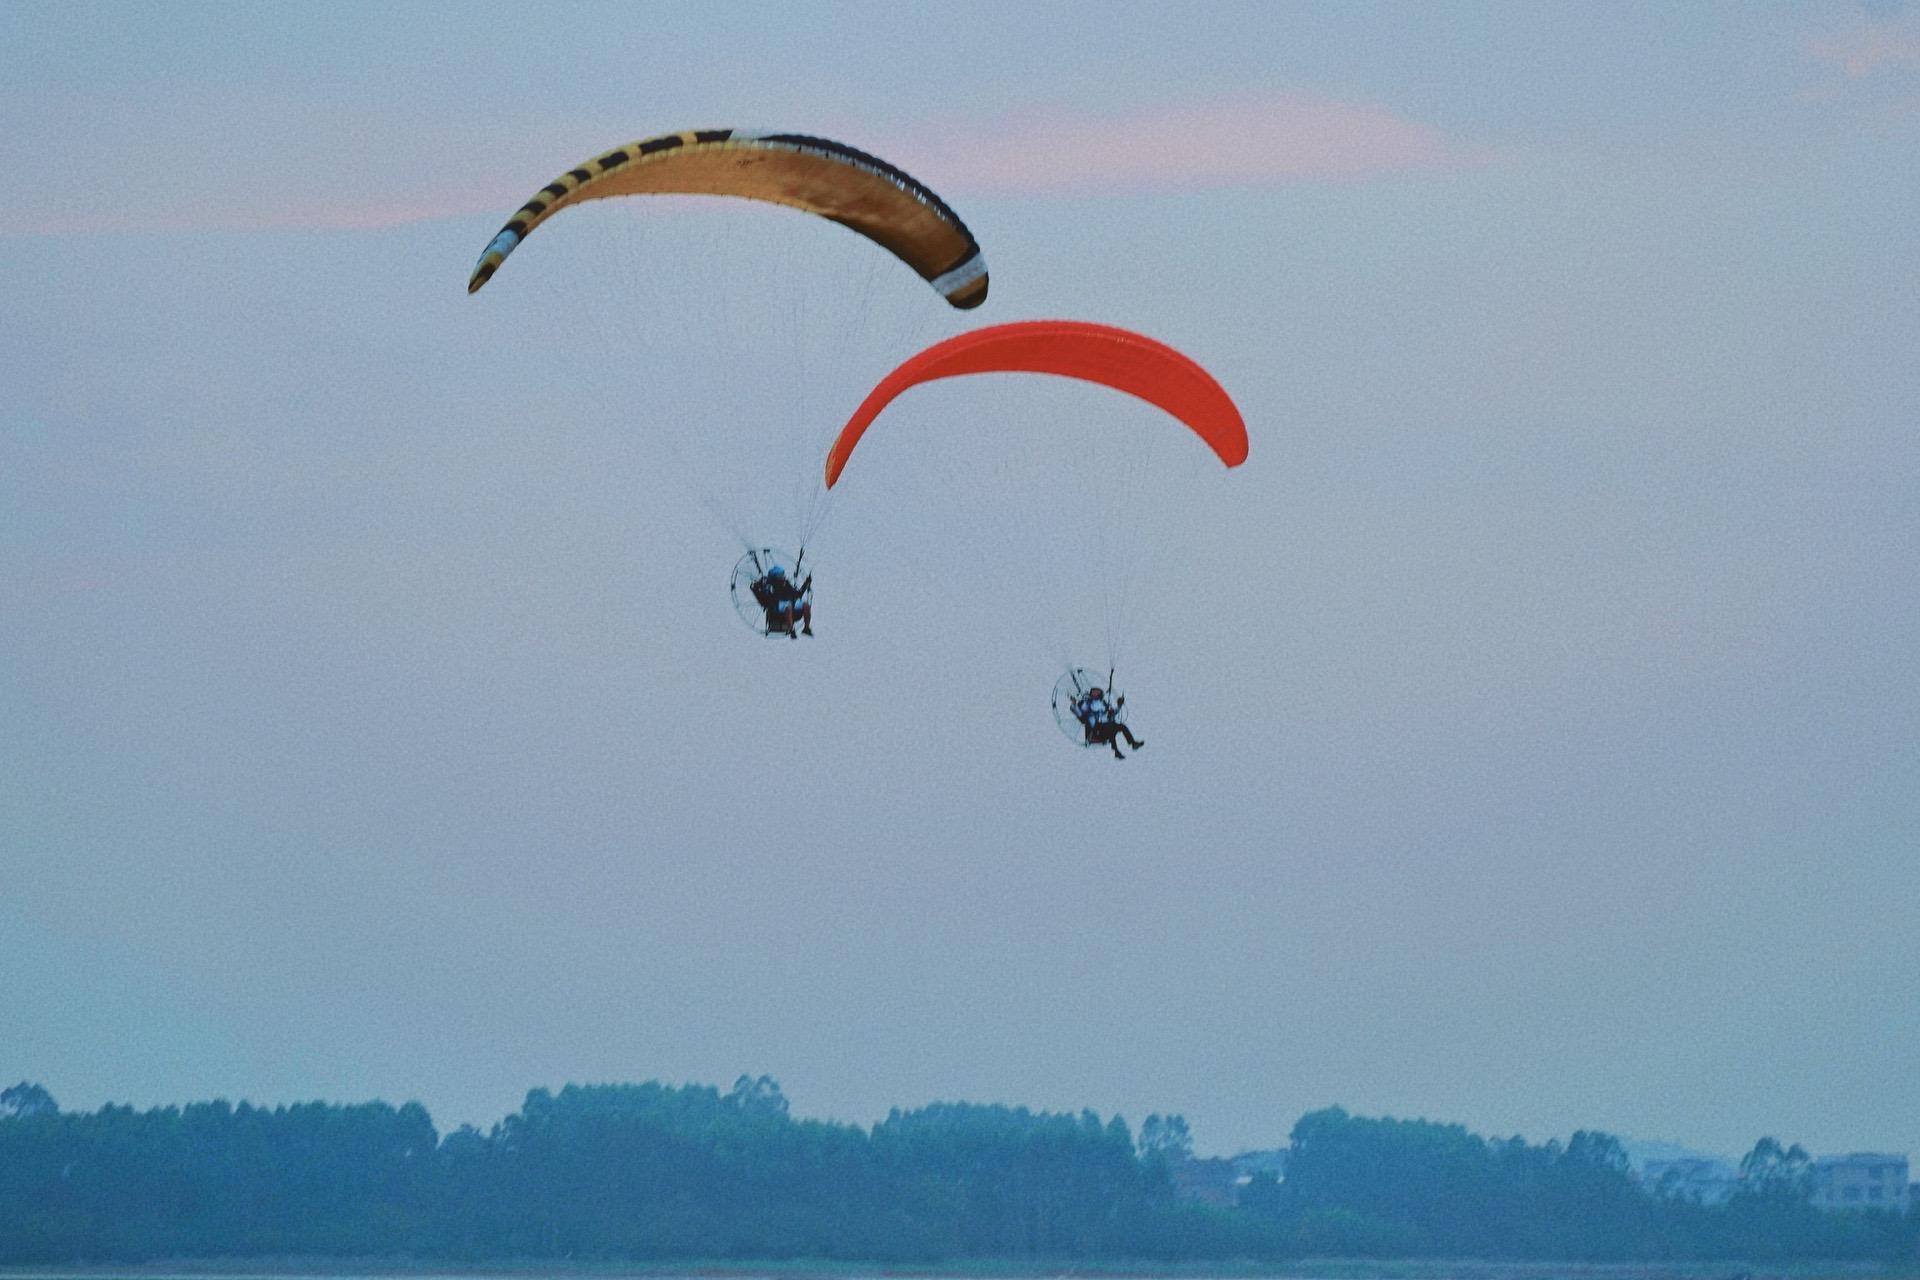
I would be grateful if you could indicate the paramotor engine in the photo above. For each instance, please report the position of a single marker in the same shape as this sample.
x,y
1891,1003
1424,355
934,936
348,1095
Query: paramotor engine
x,y
1070,688
752,573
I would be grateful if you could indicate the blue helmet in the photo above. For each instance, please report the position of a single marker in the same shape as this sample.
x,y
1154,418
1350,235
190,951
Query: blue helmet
x,y
776,572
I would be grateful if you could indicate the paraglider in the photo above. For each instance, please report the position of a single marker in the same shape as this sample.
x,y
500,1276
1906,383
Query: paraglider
x,y
742,278
1088,712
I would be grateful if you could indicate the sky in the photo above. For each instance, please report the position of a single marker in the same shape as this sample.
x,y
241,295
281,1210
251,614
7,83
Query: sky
x,y
1533,719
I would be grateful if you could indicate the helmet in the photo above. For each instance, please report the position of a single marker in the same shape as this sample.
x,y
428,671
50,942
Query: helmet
x,y
776,572
1095,692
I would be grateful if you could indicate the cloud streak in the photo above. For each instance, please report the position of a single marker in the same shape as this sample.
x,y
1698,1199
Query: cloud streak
x,y
187,174
1871,47
1246,141
213,162
254,212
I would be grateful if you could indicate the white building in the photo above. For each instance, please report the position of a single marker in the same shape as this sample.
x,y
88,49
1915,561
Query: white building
x,y
1862,1180
1248,1163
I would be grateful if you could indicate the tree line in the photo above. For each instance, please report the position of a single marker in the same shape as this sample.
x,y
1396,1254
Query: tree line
x,y
655,1172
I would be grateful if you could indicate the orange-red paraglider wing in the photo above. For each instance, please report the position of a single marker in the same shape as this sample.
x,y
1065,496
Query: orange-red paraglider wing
x,y
1116,358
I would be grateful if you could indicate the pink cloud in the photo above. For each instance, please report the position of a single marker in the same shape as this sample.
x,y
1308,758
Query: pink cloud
x,y
369,214
107,164
1871,46
181,172
1256,140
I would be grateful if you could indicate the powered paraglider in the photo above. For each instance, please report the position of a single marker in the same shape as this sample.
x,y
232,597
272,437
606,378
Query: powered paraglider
x,y
1106,468
724,325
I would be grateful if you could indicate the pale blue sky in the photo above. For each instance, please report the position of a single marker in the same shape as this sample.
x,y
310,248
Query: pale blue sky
x,y
1533,717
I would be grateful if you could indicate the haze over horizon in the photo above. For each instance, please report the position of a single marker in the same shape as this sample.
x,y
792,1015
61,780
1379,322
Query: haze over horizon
x,y
1535,734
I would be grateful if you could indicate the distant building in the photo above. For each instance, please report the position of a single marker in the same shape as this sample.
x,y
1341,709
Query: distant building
x,y
1248,1163
1862,1180
1699,1180
1207,1181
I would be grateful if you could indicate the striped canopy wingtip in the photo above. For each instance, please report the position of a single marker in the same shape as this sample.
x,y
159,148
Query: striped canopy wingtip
x,y
964,287
496,253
